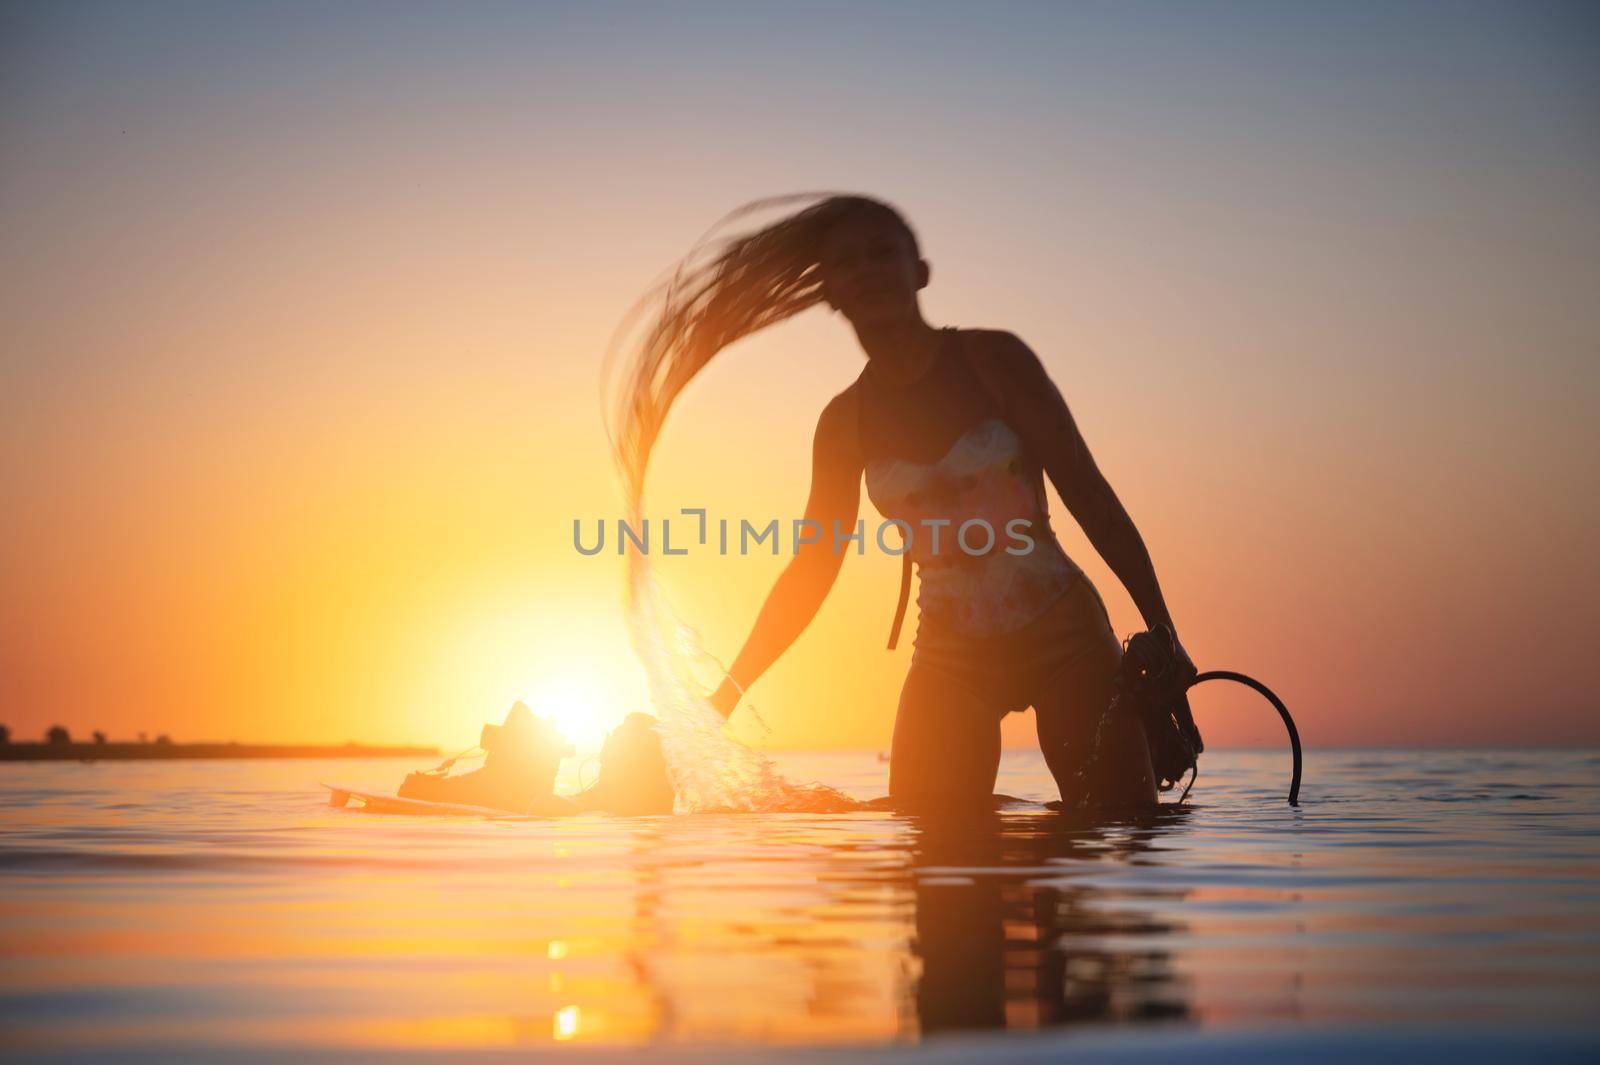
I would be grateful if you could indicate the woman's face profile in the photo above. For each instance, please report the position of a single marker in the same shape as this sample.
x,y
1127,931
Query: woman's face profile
x,y
870,273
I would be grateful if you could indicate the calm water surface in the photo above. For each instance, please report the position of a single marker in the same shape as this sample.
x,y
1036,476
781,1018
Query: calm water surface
x,y
196,905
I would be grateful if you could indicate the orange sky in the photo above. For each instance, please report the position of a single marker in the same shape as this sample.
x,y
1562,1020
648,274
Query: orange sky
x,y
303,317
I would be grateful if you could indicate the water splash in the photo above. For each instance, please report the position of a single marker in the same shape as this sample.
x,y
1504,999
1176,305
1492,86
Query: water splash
x,y
722,290
710,769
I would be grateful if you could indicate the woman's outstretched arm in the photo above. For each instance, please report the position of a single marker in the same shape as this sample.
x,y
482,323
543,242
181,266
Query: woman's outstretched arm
x,y
834,504
1041,415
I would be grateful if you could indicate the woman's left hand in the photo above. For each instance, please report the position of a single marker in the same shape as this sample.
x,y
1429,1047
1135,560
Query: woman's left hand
x,y
1186,667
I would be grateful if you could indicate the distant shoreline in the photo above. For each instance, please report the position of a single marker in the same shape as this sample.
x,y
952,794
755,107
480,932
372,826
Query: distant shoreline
x,y
158,752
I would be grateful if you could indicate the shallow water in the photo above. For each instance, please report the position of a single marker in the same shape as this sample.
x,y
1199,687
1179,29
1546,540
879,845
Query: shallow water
x,y
208,906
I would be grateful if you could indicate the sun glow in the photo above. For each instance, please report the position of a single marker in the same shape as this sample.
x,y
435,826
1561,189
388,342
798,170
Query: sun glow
x,y
581,705
563,653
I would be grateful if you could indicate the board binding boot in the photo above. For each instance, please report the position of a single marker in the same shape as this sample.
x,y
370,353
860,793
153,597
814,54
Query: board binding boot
x,y
518,773
634,777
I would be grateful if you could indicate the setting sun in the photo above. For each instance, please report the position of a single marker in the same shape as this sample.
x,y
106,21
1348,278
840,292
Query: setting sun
x,y
509,637
583,705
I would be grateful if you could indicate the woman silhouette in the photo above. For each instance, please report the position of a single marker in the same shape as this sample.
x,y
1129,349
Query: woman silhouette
x,y
954,430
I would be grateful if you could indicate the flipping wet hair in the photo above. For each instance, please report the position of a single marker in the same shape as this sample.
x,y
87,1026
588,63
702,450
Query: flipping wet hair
x,y
725,289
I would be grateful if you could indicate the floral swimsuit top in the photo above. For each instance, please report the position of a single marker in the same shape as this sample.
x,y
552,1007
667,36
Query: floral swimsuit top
x,y
974,582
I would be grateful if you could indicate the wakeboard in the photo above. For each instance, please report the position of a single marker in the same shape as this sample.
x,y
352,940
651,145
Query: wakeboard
x,y
390,804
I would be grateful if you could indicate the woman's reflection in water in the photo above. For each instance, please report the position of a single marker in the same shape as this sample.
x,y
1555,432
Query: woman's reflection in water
x,y
1007,939
1004,929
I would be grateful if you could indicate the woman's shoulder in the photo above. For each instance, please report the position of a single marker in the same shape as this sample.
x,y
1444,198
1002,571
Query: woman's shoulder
x,y
999,360
843,406
839,424
995,347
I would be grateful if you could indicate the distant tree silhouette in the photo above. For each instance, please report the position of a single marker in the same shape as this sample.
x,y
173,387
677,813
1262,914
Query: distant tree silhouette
x,y
99,737
5,734
58,734
163,740
144,737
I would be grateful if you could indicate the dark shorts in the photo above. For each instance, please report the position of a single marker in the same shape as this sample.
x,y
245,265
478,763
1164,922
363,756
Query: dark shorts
x,y
947,729
1067,658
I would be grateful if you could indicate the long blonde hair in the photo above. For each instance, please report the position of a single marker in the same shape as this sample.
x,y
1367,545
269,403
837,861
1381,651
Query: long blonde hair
x,y
721,291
